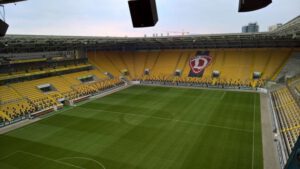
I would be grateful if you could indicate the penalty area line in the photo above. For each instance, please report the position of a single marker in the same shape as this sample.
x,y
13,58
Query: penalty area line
x,y
49,159
83,158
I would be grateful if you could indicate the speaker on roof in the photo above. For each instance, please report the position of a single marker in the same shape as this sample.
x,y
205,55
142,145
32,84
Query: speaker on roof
x,y
143,13
252,5
3,28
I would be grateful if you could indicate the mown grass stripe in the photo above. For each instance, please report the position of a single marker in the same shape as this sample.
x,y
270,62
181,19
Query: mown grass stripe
x,y
172,120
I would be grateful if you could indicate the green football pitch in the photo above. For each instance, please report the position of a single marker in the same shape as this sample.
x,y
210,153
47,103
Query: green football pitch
x,y
144,128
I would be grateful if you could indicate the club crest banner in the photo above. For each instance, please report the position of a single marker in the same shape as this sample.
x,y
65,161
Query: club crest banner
x,y
199,63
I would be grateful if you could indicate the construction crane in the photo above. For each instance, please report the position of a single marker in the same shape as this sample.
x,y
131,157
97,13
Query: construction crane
x,y
170,33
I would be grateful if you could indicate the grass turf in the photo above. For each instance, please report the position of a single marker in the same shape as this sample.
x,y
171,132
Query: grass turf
x,y
144,128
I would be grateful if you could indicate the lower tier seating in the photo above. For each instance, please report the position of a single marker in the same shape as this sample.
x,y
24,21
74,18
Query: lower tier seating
x,y
28,98
235,66
288,113
8,94
16,109
207,81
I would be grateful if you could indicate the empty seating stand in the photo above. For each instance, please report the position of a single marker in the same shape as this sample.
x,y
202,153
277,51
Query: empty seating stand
x,y
288,113
236,66
23,98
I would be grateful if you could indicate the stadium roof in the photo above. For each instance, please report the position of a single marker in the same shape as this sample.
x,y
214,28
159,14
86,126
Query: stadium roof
x,y
9,1
291,27
286,36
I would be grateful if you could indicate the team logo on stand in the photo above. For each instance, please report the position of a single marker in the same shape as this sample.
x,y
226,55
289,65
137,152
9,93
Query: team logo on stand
x,y
199,63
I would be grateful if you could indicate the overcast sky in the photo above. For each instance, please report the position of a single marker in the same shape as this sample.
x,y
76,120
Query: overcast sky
x,y
112,17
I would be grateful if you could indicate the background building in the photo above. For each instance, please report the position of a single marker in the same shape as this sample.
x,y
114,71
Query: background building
x,y
273,27
250,28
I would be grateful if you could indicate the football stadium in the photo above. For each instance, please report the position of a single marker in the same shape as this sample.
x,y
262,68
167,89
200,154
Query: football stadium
x,y
193,101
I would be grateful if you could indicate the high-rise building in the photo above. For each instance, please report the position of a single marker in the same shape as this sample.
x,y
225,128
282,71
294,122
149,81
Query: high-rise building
x,y
250,28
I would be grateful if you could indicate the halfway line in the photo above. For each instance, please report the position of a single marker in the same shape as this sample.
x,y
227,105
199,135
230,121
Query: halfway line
x,y
173,120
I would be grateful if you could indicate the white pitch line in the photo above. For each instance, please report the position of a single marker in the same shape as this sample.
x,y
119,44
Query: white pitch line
x,y
253,134
49,159
84,158
7,156
224,93
173,120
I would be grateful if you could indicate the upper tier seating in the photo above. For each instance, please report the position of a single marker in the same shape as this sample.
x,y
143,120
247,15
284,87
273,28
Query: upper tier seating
x,y
19,74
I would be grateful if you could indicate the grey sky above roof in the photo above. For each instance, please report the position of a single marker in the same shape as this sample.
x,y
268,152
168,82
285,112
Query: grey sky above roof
x,y
112,17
